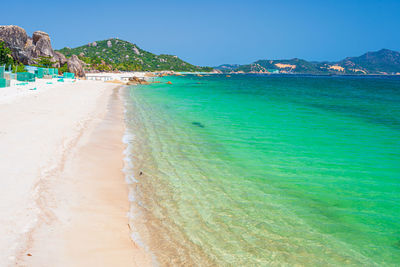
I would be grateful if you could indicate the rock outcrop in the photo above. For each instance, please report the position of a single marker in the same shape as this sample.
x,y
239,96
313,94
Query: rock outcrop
x,y
61,58
29,50
42,43
75,65
17,40
136,80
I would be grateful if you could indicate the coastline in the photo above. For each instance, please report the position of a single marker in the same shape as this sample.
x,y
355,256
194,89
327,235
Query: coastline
x,y
69,206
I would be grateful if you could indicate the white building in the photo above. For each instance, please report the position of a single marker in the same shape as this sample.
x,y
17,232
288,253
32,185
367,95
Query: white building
x,y
114,76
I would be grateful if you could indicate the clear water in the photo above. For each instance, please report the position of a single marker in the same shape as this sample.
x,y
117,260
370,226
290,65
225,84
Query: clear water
x,y
267,170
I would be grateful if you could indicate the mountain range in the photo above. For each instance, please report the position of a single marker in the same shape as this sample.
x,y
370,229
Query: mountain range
x,y
118,55
382,62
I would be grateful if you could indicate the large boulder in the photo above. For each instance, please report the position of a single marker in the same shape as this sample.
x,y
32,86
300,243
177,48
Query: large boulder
x,y
13,36
42,43
75,65
60,59
17,40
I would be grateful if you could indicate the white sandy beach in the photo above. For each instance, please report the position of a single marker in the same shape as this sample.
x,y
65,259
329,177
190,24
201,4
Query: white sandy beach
x,y
63,196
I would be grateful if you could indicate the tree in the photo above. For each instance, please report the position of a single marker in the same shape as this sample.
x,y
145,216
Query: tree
x,y
64,68
5,55
45,62
18,68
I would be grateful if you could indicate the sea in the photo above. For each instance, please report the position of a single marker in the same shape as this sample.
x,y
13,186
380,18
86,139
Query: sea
x,y
265,170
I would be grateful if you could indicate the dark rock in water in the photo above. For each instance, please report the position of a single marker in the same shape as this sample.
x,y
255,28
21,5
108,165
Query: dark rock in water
x,y
199,124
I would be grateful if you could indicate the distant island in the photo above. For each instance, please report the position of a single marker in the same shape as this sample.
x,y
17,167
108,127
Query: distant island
x,y
382,62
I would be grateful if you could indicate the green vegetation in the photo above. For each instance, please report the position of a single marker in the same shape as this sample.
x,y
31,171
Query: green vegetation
x,y
18,68
5,55
64,68
116,54
45,62
7,59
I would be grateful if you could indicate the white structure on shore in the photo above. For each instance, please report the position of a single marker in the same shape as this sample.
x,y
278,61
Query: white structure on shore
x,y
124,77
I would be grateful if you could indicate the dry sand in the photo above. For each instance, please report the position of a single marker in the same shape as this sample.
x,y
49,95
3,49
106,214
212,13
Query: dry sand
x,y
63,196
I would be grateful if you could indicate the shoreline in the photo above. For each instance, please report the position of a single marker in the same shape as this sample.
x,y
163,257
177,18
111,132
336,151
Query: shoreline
x,y
73,208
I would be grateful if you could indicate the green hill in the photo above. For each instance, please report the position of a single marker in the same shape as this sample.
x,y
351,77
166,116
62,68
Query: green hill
x,y
380,62
116,54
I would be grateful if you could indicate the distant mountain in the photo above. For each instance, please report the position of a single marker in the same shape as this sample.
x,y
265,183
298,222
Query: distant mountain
x,y
116,54
227,67
380,62
384,61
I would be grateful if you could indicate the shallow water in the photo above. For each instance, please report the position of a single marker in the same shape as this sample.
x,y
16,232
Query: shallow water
x,y
266,170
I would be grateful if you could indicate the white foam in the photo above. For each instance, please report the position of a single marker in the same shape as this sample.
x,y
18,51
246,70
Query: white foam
x,y
130,179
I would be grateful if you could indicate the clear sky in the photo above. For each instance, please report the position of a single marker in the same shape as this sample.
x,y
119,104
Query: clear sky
x,y
217,32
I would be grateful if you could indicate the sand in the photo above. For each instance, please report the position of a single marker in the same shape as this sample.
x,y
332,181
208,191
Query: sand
x,y
64,201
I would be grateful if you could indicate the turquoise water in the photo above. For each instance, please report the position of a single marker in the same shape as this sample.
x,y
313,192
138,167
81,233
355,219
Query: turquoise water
x,y
266,170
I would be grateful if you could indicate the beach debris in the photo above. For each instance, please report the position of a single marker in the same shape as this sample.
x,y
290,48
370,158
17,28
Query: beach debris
x,y
140,173
29,254
169,82
199,124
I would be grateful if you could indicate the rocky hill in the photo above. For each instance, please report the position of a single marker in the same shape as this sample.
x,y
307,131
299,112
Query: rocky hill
x,y
107,55
116,54
33,50
381,62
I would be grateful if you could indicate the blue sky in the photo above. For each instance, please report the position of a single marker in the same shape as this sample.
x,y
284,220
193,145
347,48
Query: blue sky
x,y
217,32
